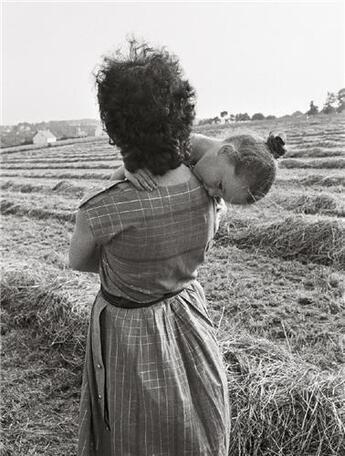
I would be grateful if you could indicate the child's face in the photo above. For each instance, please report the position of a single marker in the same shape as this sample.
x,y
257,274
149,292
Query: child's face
x,y
217,175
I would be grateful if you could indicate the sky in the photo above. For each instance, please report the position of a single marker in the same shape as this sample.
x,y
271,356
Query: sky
x,y
269,57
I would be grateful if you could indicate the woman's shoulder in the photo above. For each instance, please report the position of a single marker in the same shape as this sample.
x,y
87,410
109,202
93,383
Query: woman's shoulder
x,y
98,194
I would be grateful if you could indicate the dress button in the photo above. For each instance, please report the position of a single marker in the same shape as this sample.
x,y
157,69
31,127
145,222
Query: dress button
x,y
99,396
99,366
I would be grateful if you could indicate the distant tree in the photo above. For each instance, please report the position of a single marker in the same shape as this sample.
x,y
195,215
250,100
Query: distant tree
x,y
329,106
242,117
223,114
313,109
205,121
258,116
232,117
341,100
270,117
216,120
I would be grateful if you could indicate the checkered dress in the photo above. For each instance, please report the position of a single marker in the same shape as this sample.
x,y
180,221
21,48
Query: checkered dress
x,y
154,381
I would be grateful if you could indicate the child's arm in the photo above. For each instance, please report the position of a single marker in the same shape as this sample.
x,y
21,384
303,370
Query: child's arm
x,y
144,180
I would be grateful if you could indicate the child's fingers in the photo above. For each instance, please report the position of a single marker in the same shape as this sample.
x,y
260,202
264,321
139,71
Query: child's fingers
x,y
141,179
133,179
148,178
144,183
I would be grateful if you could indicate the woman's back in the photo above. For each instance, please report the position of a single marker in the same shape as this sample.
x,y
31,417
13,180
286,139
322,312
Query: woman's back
x,y
152,242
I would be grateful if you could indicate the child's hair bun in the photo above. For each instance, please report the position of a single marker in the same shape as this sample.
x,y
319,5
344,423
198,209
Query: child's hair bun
x,y
276,144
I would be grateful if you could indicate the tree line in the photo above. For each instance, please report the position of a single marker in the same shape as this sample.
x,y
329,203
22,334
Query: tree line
x,y
335,103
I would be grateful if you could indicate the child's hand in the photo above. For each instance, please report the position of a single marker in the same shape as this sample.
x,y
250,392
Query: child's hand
x,y
221,210
142,179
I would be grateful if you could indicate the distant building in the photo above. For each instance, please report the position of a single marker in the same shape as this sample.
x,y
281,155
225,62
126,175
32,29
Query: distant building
x,y
99,131
44,137
80,133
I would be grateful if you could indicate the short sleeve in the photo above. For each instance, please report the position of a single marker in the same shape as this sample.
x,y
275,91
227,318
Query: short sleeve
x,y
103,218
101,211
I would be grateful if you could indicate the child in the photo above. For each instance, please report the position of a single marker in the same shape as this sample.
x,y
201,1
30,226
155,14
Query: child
x,y
240,169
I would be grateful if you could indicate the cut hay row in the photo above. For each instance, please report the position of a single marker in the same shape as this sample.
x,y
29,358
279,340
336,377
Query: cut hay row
x,y
9,207
87,176
58,160
295,237
23,188
58,144
72,154
63,187
279,402
37,200
321,181
320,131
324,144
48,304
322,204
316,138
108,165
338,163
315,152
72,149
44,241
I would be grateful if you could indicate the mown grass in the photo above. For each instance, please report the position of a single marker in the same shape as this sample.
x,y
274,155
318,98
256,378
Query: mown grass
x,y
314,152
32,166
338,163
322,204
280,322
9,207
321,241
69,158
61,187
323,181
267,296
32,175
280,403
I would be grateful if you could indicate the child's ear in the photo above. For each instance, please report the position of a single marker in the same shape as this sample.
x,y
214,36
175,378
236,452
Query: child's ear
x,y
227,150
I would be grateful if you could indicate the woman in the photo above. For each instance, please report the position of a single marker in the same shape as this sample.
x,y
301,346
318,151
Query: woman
x,y
154,382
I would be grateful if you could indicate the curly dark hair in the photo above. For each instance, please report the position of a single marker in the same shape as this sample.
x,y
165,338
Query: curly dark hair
x,y
255,161
146,107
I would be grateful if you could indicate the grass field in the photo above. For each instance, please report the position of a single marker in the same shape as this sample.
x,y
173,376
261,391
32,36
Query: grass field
x,y
274,279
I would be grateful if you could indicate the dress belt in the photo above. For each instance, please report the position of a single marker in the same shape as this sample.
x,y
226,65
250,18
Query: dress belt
x,y
125,303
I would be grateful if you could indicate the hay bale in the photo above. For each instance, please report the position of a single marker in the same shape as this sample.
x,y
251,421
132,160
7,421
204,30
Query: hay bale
x,y
280,404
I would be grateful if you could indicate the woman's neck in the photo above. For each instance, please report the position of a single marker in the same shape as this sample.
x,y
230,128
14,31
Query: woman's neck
x,y
174,176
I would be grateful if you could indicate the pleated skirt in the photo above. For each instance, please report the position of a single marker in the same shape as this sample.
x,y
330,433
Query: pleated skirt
x,y
154,381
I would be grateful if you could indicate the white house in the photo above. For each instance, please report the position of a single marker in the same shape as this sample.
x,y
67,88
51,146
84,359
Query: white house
x,y
44,137
99,131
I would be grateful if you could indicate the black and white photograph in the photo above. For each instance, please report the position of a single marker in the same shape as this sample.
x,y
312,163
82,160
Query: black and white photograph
x,y
173,228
